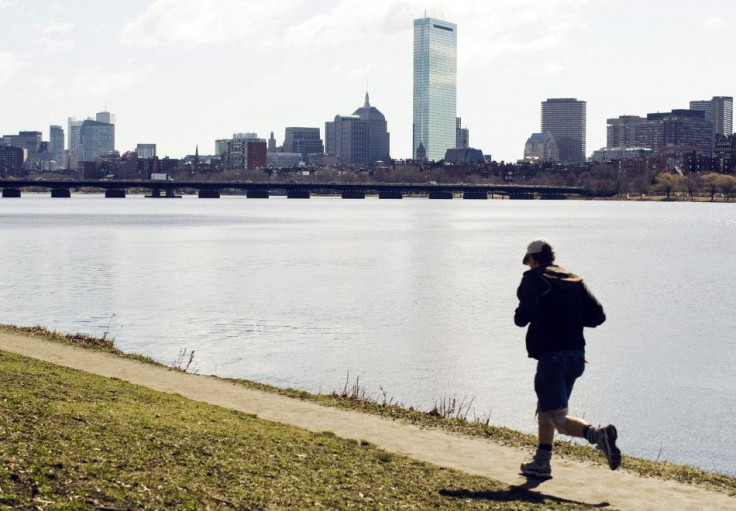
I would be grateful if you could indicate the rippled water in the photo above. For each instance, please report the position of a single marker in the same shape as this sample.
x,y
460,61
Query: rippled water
x,y
414,297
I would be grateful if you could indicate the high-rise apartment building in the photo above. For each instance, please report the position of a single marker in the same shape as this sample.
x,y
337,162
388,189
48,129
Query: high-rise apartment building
x,y
244,151
565,119
56,145
718,110
660,130
435,87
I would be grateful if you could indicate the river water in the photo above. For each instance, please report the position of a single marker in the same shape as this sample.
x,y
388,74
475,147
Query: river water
x,y
415,298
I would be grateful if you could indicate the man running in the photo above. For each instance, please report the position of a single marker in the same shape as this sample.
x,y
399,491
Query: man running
x,y
556,305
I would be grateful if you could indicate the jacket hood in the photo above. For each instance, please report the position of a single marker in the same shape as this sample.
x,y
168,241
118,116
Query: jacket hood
x,y
560,277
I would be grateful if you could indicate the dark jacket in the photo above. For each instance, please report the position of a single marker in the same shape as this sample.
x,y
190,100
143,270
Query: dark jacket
x,y
556,305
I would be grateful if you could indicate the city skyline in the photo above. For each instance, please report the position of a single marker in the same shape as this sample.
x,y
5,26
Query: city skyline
x,y
184,74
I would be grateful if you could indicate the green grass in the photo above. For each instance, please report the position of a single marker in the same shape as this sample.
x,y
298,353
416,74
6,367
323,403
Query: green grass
x,y
72,440
353,398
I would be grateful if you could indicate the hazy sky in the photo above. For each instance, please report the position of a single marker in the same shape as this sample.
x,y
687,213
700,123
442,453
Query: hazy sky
x,y
181,73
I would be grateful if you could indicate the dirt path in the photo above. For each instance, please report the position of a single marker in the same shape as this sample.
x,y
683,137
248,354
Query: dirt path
x,y
573,481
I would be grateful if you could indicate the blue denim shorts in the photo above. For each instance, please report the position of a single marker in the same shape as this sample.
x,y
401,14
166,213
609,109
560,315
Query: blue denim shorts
x,y
556,375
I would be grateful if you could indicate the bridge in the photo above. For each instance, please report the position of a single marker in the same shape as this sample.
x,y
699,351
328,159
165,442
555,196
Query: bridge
x,y
293,190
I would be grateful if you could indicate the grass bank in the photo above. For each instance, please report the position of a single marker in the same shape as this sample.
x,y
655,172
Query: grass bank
x,y
72,440
190,439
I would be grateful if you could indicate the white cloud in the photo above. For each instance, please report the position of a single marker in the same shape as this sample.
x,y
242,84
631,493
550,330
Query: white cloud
x,y
99,81
551,68
486,30
206,22
714,22
12,66
53,36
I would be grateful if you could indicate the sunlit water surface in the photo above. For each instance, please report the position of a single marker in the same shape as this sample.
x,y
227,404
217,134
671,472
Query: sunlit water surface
x,y
413,297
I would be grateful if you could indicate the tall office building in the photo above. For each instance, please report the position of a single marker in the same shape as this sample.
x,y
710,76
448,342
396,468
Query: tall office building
x,y
56,145
359,139
718,110
73,142
105,117
435,87
565,119
95,139
379,139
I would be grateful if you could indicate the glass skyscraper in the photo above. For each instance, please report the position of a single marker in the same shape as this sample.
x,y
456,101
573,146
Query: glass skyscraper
x,y
435,86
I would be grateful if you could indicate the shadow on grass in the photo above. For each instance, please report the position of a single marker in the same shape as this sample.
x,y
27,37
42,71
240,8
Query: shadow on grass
x,y
520,493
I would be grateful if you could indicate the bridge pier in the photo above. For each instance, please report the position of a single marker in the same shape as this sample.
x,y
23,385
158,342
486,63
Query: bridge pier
x,y
115,193
209,194
11,192
438,194
62,193
297,194
475,195
390,194
353,194
521,196
257,194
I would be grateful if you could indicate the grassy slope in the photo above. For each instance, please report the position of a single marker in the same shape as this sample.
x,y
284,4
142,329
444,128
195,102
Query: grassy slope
x,y
502,435
75,440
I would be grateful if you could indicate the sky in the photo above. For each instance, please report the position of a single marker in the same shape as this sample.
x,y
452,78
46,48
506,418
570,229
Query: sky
x,y
183,73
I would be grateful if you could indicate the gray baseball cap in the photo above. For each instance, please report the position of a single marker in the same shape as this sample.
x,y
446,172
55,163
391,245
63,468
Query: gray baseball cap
x,y
537,247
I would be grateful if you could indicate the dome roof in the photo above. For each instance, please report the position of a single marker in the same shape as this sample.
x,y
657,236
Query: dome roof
x,y
368,112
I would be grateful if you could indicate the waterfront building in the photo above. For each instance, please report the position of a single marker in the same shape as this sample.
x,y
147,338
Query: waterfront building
x,y
719,111
56,145
435,87
305,141
541,147
145,151
565,119
462,135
